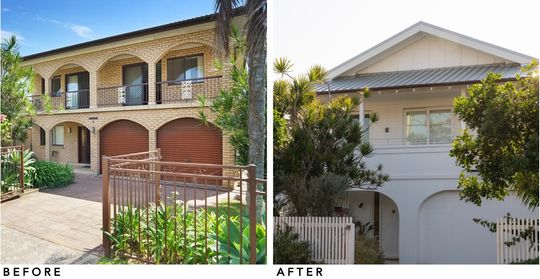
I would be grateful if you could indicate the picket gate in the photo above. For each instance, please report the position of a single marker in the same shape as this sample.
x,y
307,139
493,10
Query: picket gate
x,y
331,238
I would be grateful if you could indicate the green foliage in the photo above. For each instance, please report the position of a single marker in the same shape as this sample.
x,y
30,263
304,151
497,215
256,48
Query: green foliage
x,y
502,155
11,163
526,235
528,261
318,147
16,84
289,249
231,105
367,251
233,237
171,234
5,132
52,175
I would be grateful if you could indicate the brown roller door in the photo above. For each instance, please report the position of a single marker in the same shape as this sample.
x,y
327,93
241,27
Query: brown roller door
x,y
122,137
188,140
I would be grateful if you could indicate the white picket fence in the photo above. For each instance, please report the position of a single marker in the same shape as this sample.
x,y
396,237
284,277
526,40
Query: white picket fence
x,y
331,238
507,229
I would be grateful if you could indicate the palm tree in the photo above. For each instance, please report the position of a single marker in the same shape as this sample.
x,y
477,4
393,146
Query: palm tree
x,y
255,30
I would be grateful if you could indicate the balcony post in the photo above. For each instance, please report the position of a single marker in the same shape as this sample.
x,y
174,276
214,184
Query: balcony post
x,y
93,89
361,111
151,83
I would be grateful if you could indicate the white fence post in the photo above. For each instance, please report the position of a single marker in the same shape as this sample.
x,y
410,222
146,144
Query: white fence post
x,y
331,239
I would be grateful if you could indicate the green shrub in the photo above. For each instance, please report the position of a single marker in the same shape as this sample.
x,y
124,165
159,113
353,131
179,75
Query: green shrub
x,y
367,251
289,249
169,235
10,170
52,175
528,261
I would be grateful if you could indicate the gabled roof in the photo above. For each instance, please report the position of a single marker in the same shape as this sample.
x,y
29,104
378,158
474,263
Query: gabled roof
x,y
419,78
138,33
418,31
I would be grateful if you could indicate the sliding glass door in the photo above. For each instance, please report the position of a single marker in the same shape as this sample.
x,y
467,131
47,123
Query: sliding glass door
x,y
135,80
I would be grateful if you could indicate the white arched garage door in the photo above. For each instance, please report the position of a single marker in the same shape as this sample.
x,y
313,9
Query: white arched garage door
x,y
449,235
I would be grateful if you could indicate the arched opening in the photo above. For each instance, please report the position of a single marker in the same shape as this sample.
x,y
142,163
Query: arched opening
x,y
69,143
122,81
377,216
185,71
69,87
188,140
122,137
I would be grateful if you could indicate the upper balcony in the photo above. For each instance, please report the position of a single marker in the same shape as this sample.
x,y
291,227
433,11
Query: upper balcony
x,y
175,77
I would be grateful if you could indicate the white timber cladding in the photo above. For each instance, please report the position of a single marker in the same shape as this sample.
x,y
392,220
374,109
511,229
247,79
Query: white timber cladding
x,y
428,53
331,239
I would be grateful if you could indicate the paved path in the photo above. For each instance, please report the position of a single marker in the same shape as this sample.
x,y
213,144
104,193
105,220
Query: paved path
x,y
64,220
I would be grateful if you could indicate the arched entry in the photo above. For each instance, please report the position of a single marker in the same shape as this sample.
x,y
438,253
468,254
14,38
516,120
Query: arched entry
x,y
381,212
188,140
122,137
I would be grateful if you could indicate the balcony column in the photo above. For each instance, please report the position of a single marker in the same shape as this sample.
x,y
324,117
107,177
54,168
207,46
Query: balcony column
x,y
93,89
461,122
47,143
151,83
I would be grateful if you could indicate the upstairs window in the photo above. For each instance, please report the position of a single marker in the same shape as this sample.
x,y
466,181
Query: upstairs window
x,y
58,135
56,86
428,127
183,68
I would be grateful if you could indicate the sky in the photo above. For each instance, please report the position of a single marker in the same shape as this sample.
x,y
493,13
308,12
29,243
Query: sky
x,y
44,25
328,33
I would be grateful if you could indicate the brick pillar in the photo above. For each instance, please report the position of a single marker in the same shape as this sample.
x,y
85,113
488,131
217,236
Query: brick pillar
x,y
93,89
152,139
47,85
94,150
47,142
151,83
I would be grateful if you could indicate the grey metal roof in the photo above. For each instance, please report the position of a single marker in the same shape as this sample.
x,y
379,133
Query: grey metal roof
x,y
418,78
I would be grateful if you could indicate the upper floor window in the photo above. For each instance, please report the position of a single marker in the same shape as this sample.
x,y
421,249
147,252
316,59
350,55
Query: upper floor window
x,y
58,135
182,68
41,136
56,86
428,126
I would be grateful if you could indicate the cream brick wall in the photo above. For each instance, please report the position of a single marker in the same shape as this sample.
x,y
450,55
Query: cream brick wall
x,y
106,72
150,118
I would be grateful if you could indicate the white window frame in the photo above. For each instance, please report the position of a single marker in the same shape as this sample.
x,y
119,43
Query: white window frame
x,y
55,140
428,111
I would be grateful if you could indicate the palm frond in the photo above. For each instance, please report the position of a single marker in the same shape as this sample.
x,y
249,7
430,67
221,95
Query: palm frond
x,y
224,15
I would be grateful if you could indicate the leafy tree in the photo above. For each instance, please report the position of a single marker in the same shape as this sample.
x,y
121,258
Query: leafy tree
x,y
15,105
255,33
231,104
501,155
319,150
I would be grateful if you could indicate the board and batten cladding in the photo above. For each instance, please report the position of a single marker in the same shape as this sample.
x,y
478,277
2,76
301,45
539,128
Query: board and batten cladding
x,y
428,53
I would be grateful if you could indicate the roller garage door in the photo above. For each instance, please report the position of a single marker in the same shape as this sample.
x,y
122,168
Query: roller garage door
x,y
187,140
123,137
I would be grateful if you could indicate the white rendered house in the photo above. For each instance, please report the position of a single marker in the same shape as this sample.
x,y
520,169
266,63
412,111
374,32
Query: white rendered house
x,y
414,77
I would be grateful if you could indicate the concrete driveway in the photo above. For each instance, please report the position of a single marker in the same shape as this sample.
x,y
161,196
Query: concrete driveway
x,y
54,226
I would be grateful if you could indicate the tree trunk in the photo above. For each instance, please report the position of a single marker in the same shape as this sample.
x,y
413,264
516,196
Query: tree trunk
x,y
257,110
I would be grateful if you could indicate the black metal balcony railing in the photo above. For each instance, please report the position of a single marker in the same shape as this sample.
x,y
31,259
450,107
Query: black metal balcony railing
x,y
188,90
124,95
63,100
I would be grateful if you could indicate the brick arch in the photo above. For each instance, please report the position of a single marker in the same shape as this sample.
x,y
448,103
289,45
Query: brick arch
x,y
103,125
55,67
112,55
58,122
176,44
180,116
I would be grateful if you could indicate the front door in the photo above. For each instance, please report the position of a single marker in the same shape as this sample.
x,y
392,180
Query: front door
x,y
84,145
134,79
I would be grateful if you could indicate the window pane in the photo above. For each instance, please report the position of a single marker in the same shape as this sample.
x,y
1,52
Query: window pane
x,y
58,135
416,129
41,136
55,85
440,129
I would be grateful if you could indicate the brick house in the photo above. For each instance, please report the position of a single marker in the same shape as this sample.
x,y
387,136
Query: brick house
x,y
129,93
